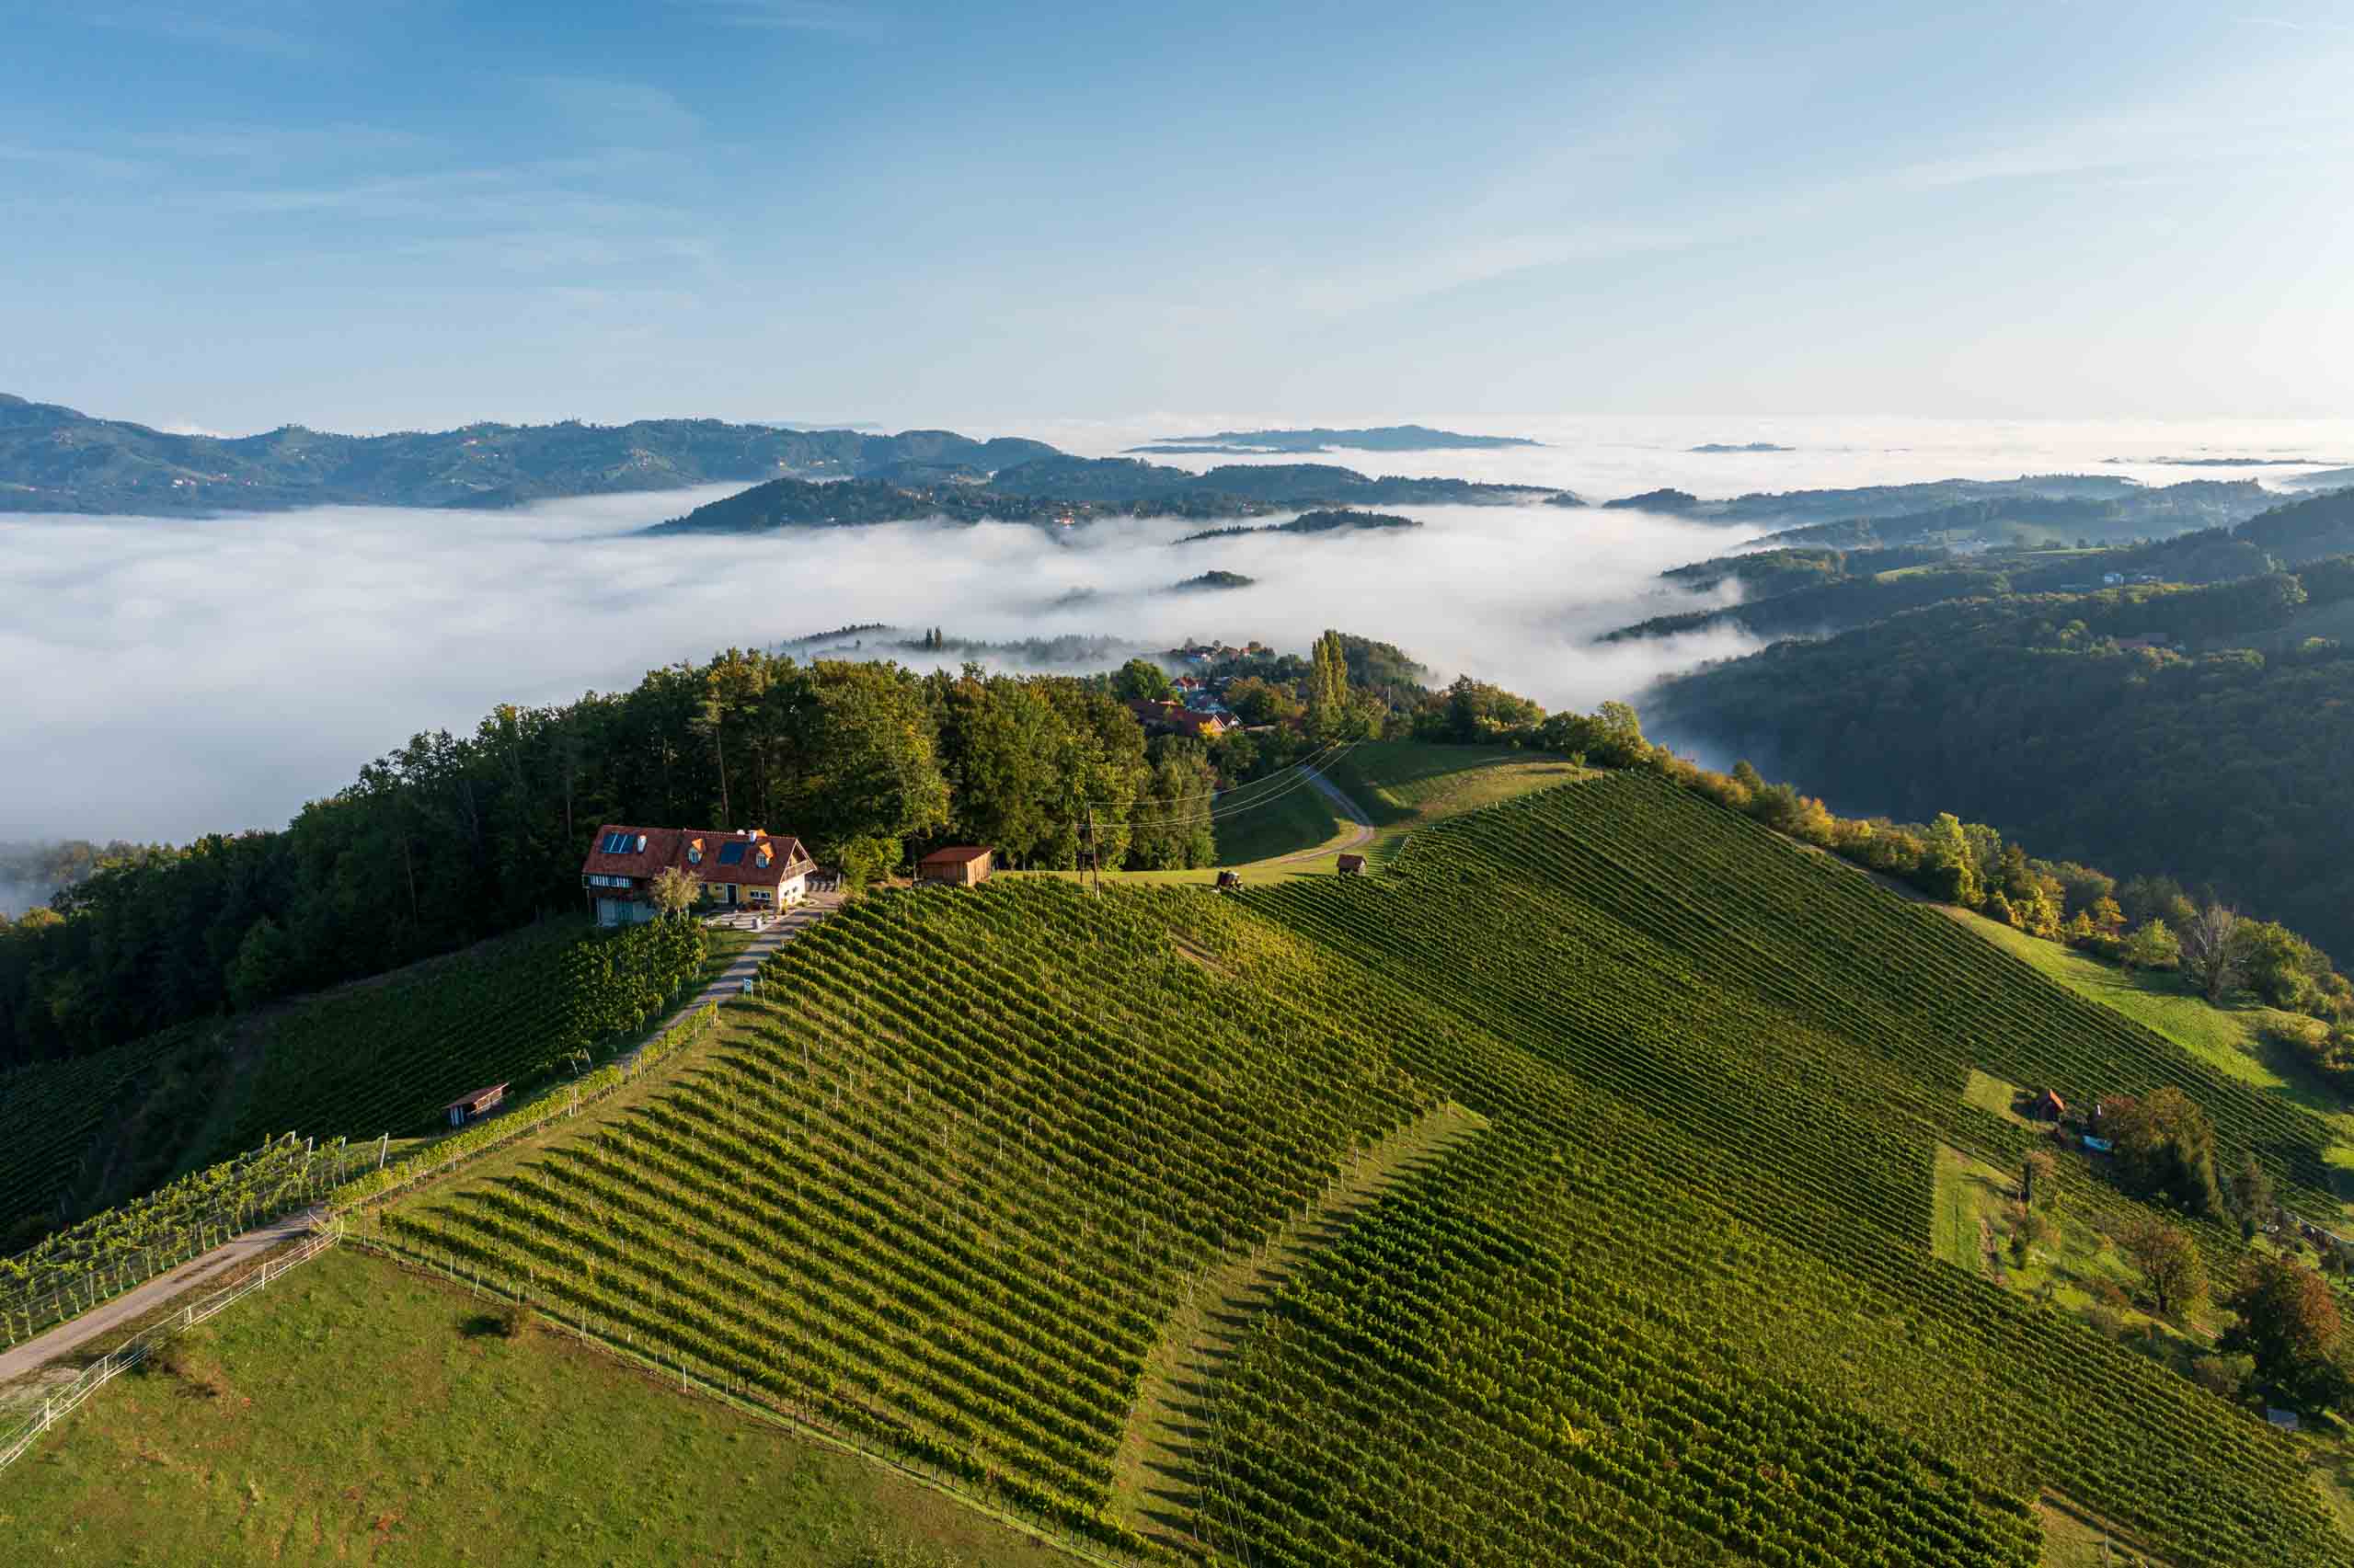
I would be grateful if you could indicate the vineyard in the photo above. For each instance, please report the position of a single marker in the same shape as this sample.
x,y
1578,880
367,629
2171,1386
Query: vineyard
x,y
75,1269
945,1186
387,1057
50,1115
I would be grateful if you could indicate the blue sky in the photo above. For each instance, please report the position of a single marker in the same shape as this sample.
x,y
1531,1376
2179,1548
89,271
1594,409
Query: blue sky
x,y
370,215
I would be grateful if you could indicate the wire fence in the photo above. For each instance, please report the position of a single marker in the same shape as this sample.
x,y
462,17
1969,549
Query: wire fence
x,y
140,1346
673,1370
50,1292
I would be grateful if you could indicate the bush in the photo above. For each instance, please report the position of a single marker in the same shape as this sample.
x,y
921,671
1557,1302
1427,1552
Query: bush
x,y
2223,1375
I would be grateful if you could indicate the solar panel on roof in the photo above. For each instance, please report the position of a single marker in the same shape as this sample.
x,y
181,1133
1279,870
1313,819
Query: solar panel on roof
x,y
620,843
731,854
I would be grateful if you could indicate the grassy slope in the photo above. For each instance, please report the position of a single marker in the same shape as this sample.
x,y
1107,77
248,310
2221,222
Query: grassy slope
x,y
1301,818
1399,784
352,1413
2229,1039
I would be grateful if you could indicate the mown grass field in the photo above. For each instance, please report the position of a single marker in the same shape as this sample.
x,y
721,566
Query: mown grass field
x,y
1399,784
363,1413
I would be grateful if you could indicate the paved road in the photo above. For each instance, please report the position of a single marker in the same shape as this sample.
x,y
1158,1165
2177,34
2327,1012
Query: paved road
x,y
66,1336
207,1269
1362,836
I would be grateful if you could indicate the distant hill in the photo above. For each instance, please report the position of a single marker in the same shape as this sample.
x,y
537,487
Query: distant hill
x,y
57,459
1818,590
1060,489
1213,582
1383,438
1741,446
1676,501
1335,520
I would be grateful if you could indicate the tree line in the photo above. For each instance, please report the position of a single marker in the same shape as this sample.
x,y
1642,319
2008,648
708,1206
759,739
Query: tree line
x,y
453,838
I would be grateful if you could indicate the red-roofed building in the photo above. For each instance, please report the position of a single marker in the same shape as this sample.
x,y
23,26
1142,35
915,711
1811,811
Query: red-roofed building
x,y
746,868
1176,718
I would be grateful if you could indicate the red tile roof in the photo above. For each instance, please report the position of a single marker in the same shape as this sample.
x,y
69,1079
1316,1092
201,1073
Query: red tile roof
x,y
671,847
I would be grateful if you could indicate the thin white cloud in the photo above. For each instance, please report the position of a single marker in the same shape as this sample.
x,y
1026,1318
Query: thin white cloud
x,y
793,15
248,30
277,145
70,160
2158,143
2285,24
611,110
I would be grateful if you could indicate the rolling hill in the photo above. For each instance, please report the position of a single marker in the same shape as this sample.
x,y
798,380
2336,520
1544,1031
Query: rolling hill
x,y
1568,1191
58,459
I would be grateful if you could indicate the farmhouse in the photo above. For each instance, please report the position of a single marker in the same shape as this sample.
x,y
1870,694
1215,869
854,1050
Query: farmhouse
x,y
957,866
745,868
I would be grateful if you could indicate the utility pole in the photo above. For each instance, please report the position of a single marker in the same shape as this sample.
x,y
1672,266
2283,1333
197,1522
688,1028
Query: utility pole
x,y
1095,851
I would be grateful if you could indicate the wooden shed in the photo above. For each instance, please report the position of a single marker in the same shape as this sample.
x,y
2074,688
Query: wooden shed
x,y
1352,865
957,866
481,1103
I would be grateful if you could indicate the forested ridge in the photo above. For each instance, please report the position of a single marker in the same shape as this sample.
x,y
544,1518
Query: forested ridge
x,y
2198,731
58,459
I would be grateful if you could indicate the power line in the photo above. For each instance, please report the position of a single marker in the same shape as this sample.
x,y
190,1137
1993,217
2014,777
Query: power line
x,y
1221,814
1322,756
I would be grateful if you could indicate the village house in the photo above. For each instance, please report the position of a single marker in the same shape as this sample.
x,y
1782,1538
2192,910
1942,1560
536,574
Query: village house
x,y
746,868
957,866
1175,718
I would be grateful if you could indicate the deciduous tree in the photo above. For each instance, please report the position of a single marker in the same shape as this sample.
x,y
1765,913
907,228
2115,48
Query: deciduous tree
x,y
2210,950
2168,1260
2164,1147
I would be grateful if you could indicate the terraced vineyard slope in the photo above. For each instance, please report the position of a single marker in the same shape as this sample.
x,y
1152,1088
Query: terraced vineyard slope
x,y
974,1156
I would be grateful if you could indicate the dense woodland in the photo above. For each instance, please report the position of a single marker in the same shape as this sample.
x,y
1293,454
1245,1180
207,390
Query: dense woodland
x,y
2222,761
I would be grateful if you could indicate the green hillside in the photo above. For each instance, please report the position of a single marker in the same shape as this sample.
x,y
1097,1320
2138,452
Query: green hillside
x,y
273,1437
1677,1298
1581,1189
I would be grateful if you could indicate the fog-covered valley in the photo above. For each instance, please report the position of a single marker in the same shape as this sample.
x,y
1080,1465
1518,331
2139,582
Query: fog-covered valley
x,y
177,676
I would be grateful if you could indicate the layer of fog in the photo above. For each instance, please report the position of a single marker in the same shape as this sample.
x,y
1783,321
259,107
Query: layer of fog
x,y
1603,458
15,897
175,677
